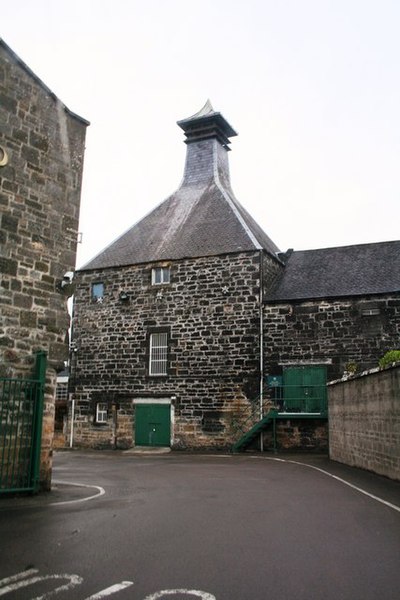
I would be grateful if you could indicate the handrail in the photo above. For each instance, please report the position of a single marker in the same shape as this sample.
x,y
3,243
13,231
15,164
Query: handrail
x,y
243,419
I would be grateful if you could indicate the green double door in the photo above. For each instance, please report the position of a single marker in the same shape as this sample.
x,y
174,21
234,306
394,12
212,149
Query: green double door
x,y
304,389
153,425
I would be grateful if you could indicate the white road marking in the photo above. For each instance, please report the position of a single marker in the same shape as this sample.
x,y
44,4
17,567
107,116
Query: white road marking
x,y
18,576
111,590
101,492
73,581
351,485
197,593
13,583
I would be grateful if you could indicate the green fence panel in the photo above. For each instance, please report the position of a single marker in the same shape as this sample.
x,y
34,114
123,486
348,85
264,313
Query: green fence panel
x,y
21,416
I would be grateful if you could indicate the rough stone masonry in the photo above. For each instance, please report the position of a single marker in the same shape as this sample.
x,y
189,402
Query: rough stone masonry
x,y
42,145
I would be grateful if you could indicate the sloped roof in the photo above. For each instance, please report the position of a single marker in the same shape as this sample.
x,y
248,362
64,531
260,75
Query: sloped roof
x,y
195,221
344,271
203,217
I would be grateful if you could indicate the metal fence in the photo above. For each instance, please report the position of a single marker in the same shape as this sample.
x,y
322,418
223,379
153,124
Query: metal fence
x,y
21,415
301,399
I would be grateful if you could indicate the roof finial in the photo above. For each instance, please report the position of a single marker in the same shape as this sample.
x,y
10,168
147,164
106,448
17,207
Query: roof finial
x,y
205,124
206,110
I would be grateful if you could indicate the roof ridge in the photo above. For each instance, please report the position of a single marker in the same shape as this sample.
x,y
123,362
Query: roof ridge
x,y
222,189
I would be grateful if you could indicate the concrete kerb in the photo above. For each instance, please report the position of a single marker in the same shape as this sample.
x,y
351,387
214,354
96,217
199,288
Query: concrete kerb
x,y
147,450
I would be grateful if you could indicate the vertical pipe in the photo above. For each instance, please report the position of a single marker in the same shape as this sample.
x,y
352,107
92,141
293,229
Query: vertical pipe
x,y
114,413
40,375
72,373
261,315
71,437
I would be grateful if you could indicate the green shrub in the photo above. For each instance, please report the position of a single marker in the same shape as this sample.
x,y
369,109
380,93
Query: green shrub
x,y
351,368
390,357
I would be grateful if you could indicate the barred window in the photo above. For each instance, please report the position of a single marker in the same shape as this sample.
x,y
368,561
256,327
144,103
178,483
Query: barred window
x,y
158,353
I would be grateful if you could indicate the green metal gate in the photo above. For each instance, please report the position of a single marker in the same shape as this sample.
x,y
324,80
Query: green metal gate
x,y
21,416
153,425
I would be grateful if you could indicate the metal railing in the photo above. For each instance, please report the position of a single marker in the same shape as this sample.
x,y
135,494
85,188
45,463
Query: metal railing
x,y
249,415
306,399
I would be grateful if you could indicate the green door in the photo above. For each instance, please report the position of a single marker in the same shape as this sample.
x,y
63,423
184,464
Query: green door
x,y
153,425
304,389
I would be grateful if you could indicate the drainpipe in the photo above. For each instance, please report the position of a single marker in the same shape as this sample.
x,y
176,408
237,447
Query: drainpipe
x,y
261,299
71,439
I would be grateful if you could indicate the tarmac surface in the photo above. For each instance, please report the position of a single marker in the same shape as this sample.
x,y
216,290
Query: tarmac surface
x,y
146,525
62,491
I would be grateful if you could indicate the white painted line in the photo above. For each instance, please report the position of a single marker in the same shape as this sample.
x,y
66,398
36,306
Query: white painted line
x,y
113,589
101,492
73,581
18,576
197,593
351,485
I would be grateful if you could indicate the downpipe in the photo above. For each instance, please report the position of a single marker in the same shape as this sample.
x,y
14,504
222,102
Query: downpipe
x,y
261,316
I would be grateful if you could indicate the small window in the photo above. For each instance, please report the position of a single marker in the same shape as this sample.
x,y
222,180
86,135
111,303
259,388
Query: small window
x,y
160,275
98,292
101,412
370,312
158,364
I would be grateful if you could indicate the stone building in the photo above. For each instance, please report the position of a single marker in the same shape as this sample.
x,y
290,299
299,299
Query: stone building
x,y
333,312
191,325
41,162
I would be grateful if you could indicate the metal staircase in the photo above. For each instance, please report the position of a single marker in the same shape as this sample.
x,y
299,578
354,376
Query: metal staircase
x,y
251,420
255,430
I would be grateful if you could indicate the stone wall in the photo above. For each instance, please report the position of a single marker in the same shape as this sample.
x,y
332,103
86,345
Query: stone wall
x,y
297,435
364,421
331,332
40,188
211,311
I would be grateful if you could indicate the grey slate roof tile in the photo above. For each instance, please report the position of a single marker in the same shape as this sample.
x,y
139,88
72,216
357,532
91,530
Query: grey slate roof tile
x,y
203,217
195,221
343,271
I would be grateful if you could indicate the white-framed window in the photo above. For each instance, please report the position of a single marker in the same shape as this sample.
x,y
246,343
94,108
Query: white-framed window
x,y
158,363
370,312
160,275
98,291
101,412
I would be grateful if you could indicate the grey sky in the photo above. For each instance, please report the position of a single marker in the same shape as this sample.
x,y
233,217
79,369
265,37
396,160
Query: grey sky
x,y
312,87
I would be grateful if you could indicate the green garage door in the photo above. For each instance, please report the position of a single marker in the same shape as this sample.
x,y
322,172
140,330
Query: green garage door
x,y
304,389
153,425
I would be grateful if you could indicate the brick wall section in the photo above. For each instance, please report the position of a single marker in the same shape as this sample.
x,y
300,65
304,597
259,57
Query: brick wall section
x,y
364,418
211,309
40,198
332,332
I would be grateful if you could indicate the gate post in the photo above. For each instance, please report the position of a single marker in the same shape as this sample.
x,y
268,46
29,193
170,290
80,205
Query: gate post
x,y
40,377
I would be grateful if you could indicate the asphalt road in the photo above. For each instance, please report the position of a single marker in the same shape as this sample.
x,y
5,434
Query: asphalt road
x,y
182,527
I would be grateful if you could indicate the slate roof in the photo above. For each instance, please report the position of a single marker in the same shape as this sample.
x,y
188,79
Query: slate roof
x,y
202,218
190,223
344,271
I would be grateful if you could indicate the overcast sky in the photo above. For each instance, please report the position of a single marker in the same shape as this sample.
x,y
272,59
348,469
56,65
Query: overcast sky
x,y
311,86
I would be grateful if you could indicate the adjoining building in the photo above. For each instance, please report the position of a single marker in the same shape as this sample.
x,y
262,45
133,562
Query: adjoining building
x,y
193,330
42,147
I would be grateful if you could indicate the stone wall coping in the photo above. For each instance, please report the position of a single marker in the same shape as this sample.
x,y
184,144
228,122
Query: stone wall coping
x,y
345,378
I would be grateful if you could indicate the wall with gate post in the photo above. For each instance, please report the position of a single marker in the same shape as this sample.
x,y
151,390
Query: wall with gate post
x,y
364,421
42,146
